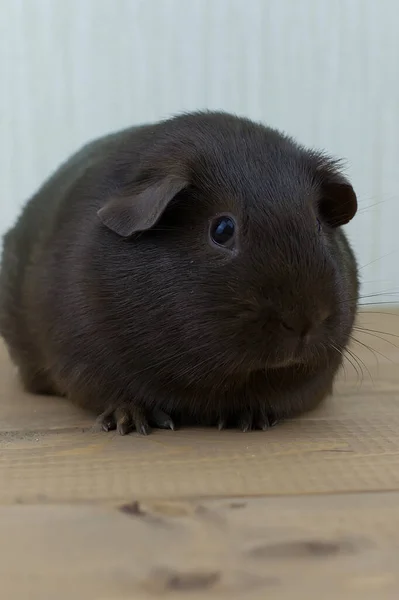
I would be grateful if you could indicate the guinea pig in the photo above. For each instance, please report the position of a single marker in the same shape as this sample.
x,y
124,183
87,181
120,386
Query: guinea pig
x,y
189,271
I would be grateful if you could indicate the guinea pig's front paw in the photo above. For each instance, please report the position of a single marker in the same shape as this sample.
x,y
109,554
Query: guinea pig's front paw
x,y
132,418
249,420
125,419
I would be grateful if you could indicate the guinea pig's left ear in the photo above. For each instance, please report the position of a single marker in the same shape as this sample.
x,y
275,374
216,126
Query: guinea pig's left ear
x,y
139,211
338,202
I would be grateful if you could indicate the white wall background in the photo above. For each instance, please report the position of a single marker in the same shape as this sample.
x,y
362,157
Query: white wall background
x,y
325,71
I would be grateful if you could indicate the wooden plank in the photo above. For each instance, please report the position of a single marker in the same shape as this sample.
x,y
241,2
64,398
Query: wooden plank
x,y
285,548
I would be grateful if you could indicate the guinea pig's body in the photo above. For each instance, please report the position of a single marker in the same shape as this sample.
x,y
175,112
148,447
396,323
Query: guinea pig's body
x,y
191,270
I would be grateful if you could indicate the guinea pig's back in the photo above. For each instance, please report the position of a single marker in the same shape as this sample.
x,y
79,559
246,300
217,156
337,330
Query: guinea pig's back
x,y
28,244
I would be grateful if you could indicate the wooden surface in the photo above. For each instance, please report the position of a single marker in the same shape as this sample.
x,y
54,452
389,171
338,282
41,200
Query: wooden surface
x,y
308,509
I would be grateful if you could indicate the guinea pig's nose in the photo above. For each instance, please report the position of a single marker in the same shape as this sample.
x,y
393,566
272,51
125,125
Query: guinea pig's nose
x,y
303,327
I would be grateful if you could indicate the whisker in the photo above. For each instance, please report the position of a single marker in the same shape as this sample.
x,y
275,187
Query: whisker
x,y
347,355
377,336
366,330
377,304
366,296
373,350
360,362
351,358
391,292
375,312
341,353
365,208
376,260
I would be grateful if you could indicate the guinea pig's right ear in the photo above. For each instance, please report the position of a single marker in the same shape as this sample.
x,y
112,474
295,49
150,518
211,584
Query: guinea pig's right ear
x,y
135,212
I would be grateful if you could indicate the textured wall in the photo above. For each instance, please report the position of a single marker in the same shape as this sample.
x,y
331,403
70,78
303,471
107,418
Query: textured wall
x,y
325,71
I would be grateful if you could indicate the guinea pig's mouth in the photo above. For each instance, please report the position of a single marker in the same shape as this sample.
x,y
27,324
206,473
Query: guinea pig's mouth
x,y
304,354
282,363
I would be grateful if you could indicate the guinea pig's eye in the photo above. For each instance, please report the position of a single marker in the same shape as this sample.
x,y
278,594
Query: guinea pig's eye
x,y
222,230
318,226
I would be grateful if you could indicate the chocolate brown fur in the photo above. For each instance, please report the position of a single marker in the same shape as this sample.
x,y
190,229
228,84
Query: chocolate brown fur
x,y
112,294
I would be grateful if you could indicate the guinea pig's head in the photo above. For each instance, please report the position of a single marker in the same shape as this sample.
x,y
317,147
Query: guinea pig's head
x,y
231,236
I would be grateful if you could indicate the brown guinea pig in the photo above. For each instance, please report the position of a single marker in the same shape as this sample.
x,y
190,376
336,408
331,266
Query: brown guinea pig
x,y
193,270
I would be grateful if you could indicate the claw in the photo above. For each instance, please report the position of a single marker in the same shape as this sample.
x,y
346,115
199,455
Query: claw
x,y
106,421
140,422
123,421
264,422
267,421
131,418
123,428
162,420
108,425
246,422
143,428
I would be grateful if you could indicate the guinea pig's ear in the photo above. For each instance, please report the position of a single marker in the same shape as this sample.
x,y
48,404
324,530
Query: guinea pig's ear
x,y
139,211
338,202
